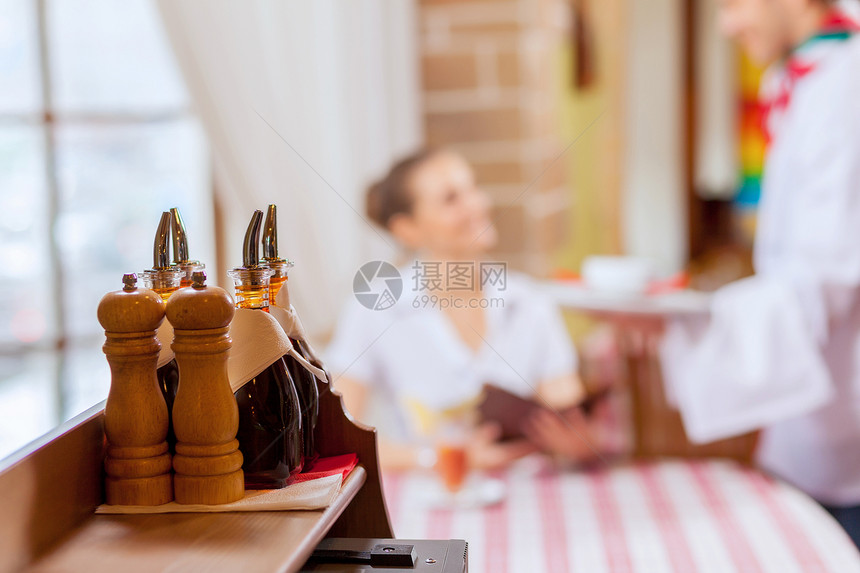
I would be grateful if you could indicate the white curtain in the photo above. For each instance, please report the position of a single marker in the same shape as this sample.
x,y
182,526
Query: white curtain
x,y
654,218
304,104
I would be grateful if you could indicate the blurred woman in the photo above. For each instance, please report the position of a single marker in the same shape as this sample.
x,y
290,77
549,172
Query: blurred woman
x,y
461,322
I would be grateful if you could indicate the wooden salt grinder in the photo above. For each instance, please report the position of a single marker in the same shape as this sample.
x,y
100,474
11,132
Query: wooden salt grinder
x,y
207,462
137,462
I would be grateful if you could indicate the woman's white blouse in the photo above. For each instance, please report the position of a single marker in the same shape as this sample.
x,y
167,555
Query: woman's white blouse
x,y
415,355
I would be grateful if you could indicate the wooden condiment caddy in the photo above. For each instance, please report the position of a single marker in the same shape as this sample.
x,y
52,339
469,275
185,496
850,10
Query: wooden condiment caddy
x,y
208,463
137,463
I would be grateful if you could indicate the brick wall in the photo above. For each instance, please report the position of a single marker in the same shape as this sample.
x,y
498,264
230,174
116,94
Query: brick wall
x,y
488,71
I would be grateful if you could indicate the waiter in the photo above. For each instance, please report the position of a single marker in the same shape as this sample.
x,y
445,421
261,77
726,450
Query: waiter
x,y
781,350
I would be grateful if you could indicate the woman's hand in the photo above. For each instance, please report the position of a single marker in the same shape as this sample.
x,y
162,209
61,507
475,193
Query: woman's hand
x,y
568,435
562,392
485,452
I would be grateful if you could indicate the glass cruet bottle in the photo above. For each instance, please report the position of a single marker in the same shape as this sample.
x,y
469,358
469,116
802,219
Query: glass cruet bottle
x,y
305,381
164,279
270,429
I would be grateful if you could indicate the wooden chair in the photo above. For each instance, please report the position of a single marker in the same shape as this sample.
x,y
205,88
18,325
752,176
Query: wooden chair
x,y
657,429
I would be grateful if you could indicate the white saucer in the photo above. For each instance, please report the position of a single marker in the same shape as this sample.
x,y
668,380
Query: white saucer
x,y
478,491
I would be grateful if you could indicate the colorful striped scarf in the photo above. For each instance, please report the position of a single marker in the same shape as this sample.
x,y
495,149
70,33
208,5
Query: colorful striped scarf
x,y
779,81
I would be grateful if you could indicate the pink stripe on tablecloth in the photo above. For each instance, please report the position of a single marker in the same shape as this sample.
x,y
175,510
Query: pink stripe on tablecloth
x,y
667,520
611,528
439,523
552,518
736,543
392,484
496,534
805,554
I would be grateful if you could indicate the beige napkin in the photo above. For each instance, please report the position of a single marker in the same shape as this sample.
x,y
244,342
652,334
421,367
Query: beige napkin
x,y
258,341
165,337
260,338
312,494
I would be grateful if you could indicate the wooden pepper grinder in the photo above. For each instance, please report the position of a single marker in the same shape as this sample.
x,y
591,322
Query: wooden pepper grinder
x,y
208,462
137,462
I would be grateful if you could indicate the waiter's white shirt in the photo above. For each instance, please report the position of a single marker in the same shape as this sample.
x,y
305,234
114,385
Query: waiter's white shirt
x,y
782,349
415,355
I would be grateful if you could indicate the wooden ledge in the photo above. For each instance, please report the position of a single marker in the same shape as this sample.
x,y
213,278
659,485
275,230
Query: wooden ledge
x,y
243,541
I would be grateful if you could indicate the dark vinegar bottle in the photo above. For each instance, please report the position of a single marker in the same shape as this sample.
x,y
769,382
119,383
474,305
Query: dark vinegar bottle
x,y
181,258
270,423
264,430
294,447
305,382
168,381
165,279
306,387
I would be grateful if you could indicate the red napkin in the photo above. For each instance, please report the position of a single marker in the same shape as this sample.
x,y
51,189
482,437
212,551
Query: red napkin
x,y
678,281
324,467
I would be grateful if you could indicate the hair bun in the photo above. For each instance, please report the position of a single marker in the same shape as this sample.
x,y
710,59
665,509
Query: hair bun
x,y
391,195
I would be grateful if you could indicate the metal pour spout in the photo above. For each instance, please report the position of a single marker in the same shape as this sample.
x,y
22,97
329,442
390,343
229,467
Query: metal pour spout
x,y
250,247
161,247
270,234
180,237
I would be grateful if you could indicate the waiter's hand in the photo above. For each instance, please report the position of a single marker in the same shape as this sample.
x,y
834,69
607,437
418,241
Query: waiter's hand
x,y
485,452
568,435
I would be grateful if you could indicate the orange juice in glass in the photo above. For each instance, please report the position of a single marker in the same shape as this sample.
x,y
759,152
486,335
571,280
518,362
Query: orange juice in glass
x,y
452,462
452,465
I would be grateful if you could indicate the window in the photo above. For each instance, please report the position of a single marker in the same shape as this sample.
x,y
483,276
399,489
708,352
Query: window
x,y
97,138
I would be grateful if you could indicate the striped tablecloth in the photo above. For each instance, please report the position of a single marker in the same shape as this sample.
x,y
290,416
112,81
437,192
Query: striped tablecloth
x,y
674,516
